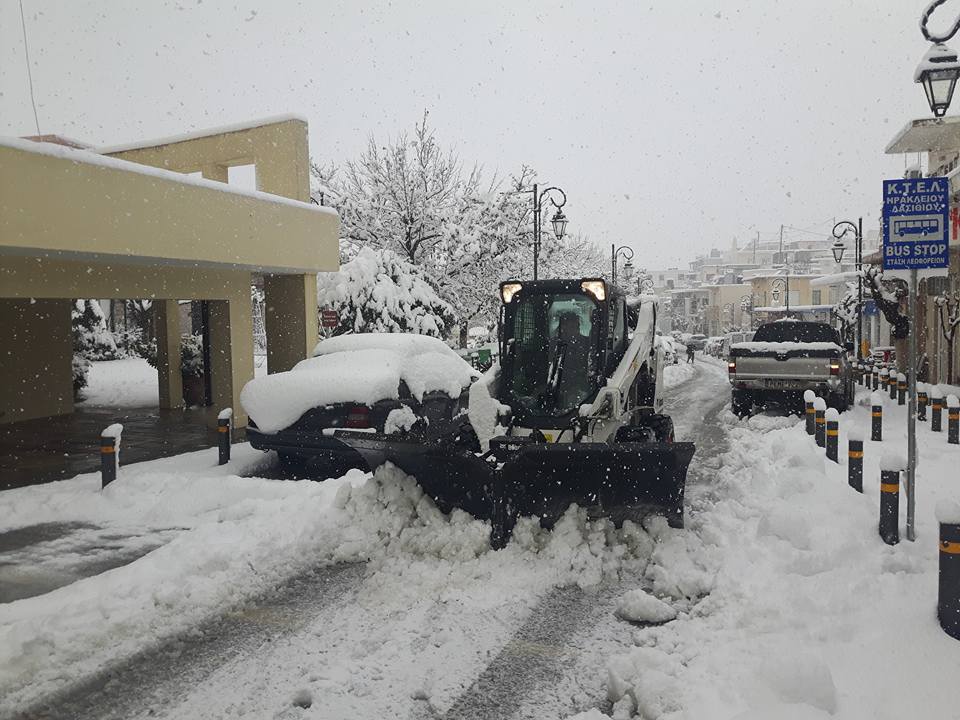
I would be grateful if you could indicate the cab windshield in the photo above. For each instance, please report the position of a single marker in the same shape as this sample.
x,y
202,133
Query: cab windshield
x,y
553,355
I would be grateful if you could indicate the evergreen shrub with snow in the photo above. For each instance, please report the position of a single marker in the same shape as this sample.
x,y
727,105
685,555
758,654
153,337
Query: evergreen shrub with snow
x,y
377,291
91,337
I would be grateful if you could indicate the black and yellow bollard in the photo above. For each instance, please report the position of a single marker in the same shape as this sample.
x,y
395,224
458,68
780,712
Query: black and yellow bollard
x,y
948,595
109,453
876,377
223,435
892,384
953,420
922,402
855,459
808,397
832,417
936,408
890,467
819,412
876,416
882,384
901,389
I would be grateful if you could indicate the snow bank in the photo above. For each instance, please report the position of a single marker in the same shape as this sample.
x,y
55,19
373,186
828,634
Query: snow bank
x,y
778,582
356,368
484,409
877,398
128,383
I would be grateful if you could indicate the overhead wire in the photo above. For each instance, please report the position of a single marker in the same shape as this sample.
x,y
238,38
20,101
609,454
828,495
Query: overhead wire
x,y
26,52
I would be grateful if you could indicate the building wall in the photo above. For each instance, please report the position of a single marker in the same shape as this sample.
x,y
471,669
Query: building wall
x,y
35,362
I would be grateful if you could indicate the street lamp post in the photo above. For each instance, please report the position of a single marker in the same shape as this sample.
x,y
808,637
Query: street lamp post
x,y
746,301
615,252
840,231
728,308
782,282
558,221
939,69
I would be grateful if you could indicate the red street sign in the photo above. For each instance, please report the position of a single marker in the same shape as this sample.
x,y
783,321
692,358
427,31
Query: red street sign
x,y
329,318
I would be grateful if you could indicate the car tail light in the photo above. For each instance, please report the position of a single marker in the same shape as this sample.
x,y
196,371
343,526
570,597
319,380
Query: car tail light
x,y
358,417
834,367
732,367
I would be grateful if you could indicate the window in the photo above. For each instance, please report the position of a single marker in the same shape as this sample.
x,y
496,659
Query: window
x,y
816,297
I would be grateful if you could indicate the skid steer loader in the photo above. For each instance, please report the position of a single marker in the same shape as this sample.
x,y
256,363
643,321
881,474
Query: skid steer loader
x,y
572,414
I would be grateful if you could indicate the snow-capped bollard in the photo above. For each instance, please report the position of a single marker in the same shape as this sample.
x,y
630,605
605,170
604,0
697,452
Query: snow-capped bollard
x,y
890,467
901,389
876,377
855,459
882,384
876,416
110,453
808,397
922,402
953,420
832,416
936,408
820,409
892,384
948,595
223,434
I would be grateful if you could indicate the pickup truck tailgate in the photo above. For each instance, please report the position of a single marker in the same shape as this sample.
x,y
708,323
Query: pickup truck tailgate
x,y
772,367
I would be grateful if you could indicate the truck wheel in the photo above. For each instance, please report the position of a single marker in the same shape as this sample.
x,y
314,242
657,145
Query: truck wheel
x,y
741,403
662,426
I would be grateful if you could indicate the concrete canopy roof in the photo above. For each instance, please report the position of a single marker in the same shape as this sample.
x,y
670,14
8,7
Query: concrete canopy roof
x,y
60,202
927,135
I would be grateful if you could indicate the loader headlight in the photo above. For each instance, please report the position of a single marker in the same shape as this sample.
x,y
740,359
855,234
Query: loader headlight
x,y
597,288
508,290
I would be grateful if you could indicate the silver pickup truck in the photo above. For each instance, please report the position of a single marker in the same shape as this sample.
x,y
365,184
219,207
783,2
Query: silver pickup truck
x,y
785,358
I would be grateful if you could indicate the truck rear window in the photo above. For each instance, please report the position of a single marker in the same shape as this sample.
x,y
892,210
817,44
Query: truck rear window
x,y
800,332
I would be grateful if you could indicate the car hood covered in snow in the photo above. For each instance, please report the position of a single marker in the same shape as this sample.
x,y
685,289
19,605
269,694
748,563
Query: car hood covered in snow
x,y
361,369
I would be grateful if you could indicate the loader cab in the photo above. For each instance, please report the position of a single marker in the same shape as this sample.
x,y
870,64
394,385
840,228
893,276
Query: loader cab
x,y
559,340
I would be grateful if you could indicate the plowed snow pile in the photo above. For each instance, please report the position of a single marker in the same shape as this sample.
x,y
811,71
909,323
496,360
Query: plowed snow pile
x,y
225,539
791,607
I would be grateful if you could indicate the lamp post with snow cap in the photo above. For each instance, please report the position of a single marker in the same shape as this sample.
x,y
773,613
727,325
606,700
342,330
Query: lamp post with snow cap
x,y
840,231
558,221
615,252
746,305
775,286
939,69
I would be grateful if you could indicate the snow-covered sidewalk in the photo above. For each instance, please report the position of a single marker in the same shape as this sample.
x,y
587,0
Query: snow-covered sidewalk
x,y
790,605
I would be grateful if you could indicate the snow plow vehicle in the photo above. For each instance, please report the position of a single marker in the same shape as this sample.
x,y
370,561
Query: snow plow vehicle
x,y
572,414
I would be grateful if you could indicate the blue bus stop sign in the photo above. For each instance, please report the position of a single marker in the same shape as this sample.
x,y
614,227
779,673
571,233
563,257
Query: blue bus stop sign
x,y
916,231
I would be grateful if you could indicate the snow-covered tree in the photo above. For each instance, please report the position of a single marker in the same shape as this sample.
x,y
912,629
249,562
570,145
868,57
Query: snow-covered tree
x,y
848,310
890,297
948,307
91,338
378,291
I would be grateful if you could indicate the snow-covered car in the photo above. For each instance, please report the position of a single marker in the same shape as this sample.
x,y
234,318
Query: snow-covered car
x,y
370,382
713,345
672,349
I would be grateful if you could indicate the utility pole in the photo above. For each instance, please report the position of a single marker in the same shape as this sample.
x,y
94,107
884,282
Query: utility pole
x,y
755,243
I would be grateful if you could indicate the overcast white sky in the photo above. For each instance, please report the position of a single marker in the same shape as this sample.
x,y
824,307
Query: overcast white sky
x,y
673,125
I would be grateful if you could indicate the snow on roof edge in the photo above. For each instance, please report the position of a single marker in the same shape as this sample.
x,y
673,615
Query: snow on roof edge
x,y
93,158
196,134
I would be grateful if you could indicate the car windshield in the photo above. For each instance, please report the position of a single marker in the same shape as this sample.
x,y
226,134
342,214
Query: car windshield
x,y
799,332
553,353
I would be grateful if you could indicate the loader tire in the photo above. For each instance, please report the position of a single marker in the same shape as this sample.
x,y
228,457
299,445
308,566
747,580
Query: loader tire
x,y
662,426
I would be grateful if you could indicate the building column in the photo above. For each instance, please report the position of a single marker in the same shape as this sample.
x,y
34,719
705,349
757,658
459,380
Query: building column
x,y
166,320
36,360
291,319
231,354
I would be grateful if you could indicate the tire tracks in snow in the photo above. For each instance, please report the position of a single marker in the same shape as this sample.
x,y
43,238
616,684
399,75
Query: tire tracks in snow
x,y
146,683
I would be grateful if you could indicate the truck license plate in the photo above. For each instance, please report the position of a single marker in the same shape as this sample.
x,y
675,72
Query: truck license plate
x,y
782,384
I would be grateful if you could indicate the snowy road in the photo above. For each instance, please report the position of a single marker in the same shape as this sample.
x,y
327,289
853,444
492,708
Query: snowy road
x,y
508,634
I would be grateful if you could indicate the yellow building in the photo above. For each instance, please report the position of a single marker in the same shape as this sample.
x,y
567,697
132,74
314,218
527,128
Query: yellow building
x,y
155,220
